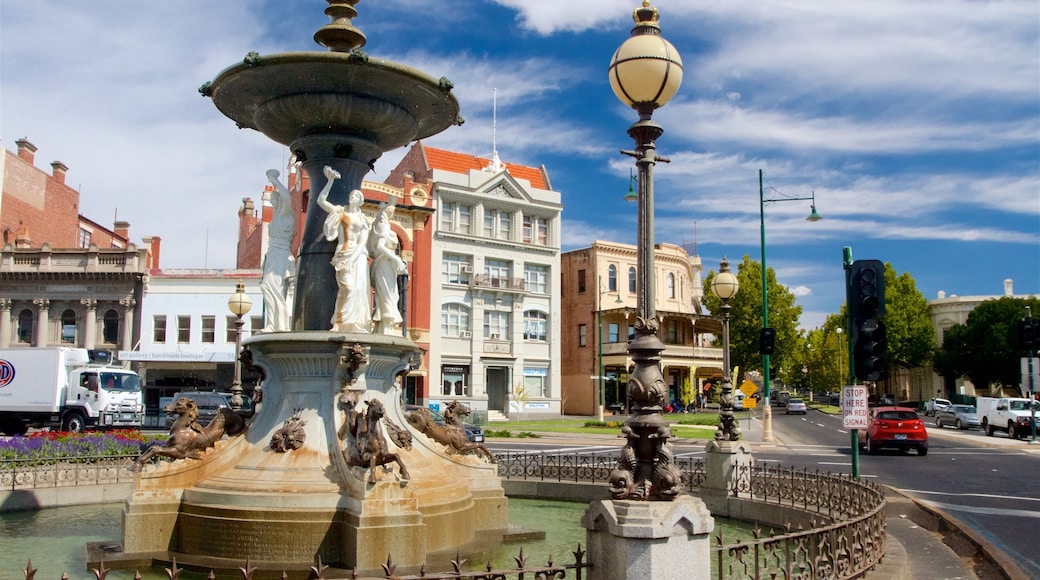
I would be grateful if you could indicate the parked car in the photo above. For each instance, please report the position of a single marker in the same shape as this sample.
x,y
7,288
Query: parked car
x,y
960,416
895,428
738,400
474,433
209,404
933,406
796,406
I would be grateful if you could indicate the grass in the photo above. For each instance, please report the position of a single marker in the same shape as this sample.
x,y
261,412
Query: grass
x,y
684,426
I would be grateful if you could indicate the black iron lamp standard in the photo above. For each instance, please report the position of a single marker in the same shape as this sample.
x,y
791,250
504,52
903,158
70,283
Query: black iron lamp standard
x,y
239,305
725,286
645,73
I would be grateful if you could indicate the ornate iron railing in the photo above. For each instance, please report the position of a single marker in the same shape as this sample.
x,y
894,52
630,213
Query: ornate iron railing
x,y
581,468
18,474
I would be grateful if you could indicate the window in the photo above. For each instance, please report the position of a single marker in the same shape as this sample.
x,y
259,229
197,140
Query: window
x,y
672,334
612,278
209,329
496,325
110,327
159,329
671,285
536,279
535,323
497,224
456,217
581,281
496,269
183,329
229,336
535,383
455,269
84,238
455,380
454,319
613,331
68,327
632,280
25,326
536,230
583,335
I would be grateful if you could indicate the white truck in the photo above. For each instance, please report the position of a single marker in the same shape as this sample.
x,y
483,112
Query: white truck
x,y
1009,414
67,388
933,406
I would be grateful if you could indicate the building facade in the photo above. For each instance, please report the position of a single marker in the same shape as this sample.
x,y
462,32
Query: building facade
x,y
495,283
599,311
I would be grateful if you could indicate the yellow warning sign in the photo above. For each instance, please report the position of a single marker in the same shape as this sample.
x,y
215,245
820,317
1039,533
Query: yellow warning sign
x,y
749,389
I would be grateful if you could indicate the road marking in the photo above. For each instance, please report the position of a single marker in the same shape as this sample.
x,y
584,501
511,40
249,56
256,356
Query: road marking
x,y
988,495
983,510
846,464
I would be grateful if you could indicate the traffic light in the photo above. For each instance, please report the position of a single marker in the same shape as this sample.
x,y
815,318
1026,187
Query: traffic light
x,y
866,302
767,341
1030,331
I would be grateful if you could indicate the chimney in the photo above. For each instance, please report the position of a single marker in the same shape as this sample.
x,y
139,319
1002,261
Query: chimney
x,y
246,219
58,170
121,229
1009,287
26,150
153,243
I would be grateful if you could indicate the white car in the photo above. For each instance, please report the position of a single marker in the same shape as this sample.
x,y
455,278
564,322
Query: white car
x,y
797,406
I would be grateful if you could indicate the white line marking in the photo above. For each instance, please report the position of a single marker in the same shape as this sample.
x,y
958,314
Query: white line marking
x,y
984,510
989,495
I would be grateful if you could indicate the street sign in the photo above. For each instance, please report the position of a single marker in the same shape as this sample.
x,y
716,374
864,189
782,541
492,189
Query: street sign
x,y
854,407
749,389
1031,369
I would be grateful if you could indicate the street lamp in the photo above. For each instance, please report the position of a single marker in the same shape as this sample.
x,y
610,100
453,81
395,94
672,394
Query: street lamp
x,y
239,305
645,73
725,286
767,411
841,379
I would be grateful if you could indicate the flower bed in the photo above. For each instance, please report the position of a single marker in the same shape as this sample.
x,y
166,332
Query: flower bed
x,y
50,446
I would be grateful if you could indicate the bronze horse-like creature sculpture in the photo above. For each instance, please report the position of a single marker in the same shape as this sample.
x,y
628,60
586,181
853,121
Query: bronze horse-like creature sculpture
x,y
368,448
187,438
453,433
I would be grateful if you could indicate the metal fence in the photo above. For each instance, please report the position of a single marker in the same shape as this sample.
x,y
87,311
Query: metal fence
x,y
581,468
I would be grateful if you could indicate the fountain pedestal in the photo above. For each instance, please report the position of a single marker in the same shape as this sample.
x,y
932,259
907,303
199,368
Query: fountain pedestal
x,y
246,500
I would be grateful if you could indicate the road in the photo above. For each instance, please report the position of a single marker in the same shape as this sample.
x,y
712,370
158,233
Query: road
x,y
991,484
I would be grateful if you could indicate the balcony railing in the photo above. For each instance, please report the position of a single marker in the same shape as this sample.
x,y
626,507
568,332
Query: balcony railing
x,y
497,282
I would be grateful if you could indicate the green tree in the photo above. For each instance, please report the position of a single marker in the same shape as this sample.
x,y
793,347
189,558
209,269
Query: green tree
x,y
746,318
988,347
911,336
825,356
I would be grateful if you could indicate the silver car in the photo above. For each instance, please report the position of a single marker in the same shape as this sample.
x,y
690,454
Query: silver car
x,y
959,416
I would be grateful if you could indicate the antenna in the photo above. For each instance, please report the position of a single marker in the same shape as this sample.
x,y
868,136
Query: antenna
x,y
496,165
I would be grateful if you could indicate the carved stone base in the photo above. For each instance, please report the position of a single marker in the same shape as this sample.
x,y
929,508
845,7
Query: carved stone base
x,y
648,539
722,462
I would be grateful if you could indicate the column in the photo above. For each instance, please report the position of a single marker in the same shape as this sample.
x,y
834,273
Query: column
x,y
127,327
90,322
42,321
5,322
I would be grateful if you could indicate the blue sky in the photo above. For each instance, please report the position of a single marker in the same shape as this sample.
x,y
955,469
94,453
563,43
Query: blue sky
x,y
916,124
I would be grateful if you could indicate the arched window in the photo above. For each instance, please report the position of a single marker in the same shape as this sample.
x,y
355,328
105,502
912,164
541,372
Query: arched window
x,y
110,327
632,280
612,278
535,325
68,326
454,319
671,285
26,320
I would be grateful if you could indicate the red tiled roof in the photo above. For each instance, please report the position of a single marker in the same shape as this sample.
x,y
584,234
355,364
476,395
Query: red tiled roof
x,y
462,163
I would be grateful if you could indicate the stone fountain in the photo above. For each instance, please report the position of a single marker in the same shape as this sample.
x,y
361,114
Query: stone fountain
x,y
287,493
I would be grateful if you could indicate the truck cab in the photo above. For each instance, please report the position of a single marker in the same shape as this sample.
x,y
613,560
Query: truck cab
x,y
107,397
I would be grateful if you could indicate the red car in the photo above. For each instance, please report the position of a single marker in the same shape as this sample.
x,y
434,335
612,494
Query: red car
x,y
895,428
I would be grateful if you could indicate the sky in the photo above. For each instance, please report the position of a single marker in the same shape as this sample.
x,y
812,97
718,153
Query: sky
x,y
915,125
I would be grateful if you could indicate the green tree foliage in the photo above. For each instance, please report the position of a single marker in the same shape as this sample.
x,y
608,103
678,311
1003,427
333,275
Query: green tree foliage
x,y
825,357
746,318
987,348
911,336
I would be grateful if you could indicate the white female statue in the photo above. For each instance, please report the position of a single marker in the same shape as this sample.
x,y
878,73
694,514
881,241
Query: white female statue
x,y
279,265
349,227
386,266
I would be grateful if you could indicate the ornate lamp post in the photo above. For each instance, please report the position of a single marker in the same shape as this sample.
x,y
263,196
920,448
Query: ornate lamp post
x,y
645,73
767,410
239,305
725,286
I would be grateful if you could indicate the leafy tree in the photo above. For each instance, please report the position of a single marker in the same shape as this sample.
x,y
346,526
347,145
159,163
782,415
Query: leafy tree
x,y
911,336
825,356
987,348
745,323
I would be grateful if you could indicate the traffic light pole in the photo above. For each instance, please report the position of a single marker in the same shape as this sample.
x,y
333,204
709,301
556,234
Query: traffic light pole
x,y
1030,326
846,253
